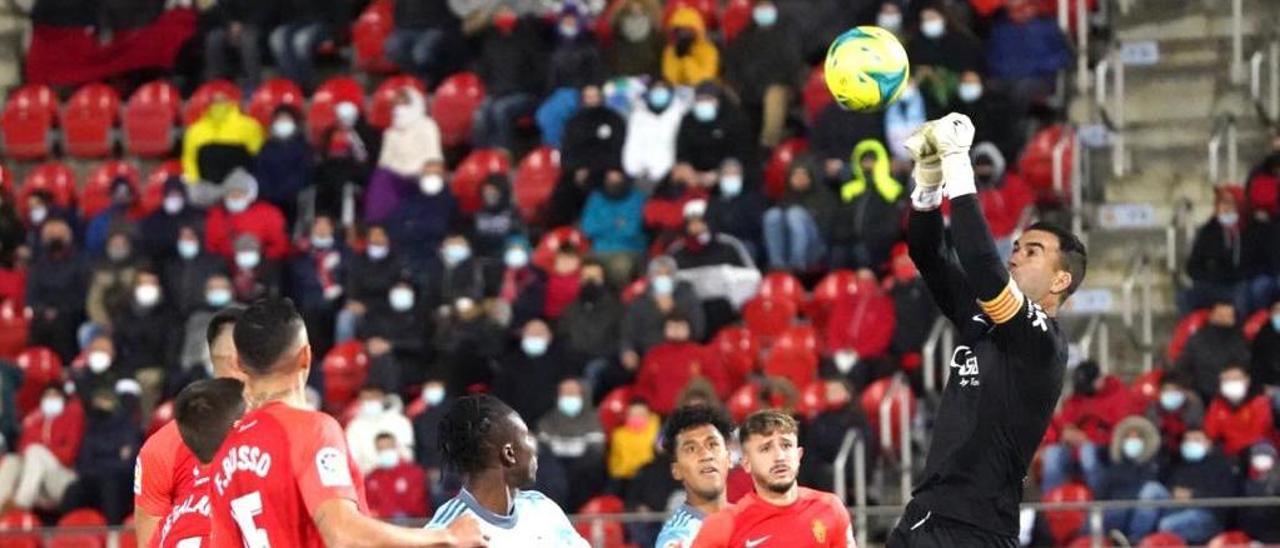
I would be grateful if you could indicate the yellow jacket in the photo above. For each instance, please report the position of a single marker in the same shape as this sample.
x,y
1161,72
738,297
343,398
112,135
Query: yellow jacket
x,y
222,124
703,61
888,187
630,450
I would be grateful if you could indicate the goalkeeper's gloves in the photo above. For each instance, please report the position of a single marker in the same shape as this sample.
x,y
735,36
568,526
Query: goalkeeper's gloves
x,y
953,135
927,172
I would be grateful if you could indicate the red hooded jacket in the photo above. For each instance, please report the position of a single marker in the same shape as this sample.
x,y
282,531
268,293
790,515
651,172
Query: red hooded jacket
x,y
261,219
61,435
1237,428
1095,414
399,492
668,368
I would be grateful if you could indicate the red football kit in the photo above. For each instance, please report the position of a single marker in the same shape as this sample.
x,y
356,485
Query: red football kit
x,y
276,467
815,519
169,482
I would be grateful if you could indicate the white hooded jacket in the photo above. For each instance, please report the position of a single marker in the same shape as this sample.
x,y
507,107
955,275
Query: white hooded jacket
x,y
411,140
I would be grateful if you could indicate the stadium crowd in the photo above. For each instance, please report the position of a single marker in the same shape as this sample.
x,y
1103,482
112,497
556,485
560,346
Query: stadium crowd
x,y
668,265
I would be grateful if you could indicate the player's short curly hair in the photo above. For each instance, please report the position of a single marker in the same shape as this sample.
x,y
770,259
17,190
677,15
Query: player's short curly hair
x,y
468,431
693,416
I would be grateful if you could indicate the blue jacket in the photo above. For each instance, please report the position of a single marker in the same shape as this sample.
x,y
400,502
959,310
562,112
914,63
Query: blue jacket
x,y
615,225
1035,49
418,225
283,168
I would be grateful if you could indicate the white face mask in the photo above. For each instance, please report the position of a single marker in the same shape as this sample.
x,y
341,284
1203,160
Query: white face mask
x,y
147,295
1261,462
378,252
322,242
188,248
173,204
236,205
933,28
99,361
845,360
433,394
534,346
663,285
1172,399
1234,390
218,298
705,111
891,22
1132,448
969,91
1229,218
388,458
284,128
346,112
247,260
515,258
370,408
401,299
52,406
454,254
571,406
38,214
731,184
431,184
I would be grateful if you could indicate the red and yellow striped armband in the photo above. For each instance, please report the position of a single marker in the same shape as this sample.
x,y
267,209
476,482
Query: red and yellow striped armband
x,y
1005,306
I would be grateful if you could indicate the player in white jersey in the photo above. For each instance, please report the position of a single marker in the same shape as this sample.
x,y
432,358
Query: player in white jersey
x,y
695,437
487,442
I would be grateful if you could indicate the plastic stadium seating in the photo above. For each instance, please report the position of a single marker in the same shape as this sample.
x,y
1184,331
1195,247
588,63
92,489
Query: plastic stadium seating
x,y
744,401
39,366
1064,524
81,517
149,118
784,286
13,523
345,368
738,350
153,186
15,323
634,290
872,396
775,172
1255,323
1147,385
383,99
454,107
737,15
271,95
813,399
6,182
1036,165
1186,327
96,195
836,286
602,533
471,174
53,177
535,180
706,8
545,253
793,356
1231,539
768,318
87,120
204,95
815,96
160,417
613,408
320,115
25,122
1162,540
368,35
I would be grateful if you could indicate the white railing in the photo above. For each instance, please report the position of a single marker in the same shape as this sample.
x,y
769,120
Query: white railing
x,y
1070,140
1082,38
899,392
853,444
1095,343
1268,106
1139,272
1224,132
1237,41
1110,101
936,345
1183,226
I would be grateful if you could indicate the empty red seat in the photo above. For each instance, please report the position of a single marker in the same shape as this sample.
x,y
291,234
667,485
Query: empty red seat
x,y
706,8
204,95
15,323
813,399
129,537
544,254
781,285
87,119
863,322
1064,524
271,95
25,123
384,98
149,118
744,401
613,408
600,532
369,33
815,96
53,177
160,417
40,366
775,172
535,180
737,15
837,285
153,186
1162,540
1036,165
739,351
320,115
768,318
455,105
97,190
472,173
794,357
80,518
12,526
1231,539
1186,327
345,368
873,397
634,289
6,182
1255,323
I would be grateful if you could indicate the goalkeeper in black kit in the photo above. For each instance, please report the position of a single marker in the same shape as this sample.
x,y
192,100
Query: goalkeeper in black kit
x,y
1010,357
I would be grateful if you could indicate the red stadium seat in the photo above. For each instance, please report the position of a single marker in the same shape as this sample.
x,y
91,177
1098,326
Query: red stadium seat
x,y
1086,541
544,255
455,105
873,395
128,537
87,119
271,95
1231,539
744,401
781,285
1147,385
345,368
384,98
6,182
705,8
81,517
160,417
815,96
472,173
204,95
775,172
1255,322
863,322
1187,326
153,186
15,322
369,33
25,123
1162,540
602,533
535,180
1065,524
738,350
836,286
53,177
737,15
793,357
634,290
320,116
12,525
768,318
97,190
1036,165
813,399
149,118
613,409
40,366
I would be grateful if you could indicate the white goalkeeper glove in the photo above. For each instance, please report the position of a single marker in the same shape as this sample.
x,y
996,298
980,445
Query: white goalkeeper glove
x,y
927,172
953,135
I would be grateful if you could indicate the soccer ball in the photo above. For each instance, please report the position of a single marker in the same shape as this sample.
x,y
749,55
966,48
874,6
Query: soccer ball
x,y
866,69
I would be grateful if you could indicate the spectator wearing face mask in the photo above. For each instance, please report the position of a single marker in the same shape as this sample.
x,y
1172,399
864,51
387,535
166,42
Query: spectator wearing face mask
x,y
1260,261
426,427
158,233
185,271
56,282
222,140
317,274
512,62
764,65
989,109
889,17
631,446
1081,430
825,433
240,213
422,219
1176,410
529,371
283,165
1264,367
1216,253
144,332
636,48
737,208
649,150
467,342
38,472
408,145
497,220
377,412
42,208
594,135
117,217
397,486
105,463
797,229
643,325
524,285
195,361
1200,472
718,265
99,369
1133,474
901,119
669,367
111,280
943,48
613,221
1211,349
425,38
456,274
370,276
1262,187
591,325
396,338
1240,415
253,274
1261,479
575,65
689,57
713,131
347,152
869,220
562,281
572,435
1025,51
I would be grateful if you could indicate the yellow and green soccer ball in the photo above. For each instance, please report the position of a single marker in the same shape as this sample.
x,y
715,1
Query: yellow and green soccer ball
x,y
866,69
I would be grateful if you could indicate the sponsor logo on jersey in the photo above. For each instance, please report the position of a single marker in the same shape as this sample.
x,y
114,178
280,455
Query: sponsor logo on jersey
x,y
965,362
137,477
331,465
819,531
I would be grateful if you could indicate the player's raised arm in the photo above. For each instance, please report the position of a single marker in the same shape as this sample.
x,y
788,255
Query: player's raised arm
x,y
341,524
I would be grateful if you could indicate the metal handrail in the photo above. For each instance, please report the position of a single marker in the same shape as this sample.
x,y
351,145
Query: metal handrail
x,y
1224,129
1237,41
1113,114
1082,38
1097,330
1269,107
1139,272
853,443
929,354
898,391
1181,223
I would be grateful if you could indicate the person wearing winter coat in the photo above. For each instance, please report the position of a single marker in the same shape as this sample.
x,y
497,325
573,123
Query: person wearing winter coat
x,y
669,367
377,412
593,136
105,463
1132,474
530,370
690,57
497,221
423,218
158,232
796,230
56,284
410,143
220,141
575,64
242,213
1081,430
649,150
591,326
512,63
317,274
613,221
573,435
369,278
41,467
764,65
664,295
1261,479
1264,367
1176,410
869,220
397,340
714,130
636,48
426,38
1201,472
1211,349
397,486
737,209
1216,263
283,164
1239,417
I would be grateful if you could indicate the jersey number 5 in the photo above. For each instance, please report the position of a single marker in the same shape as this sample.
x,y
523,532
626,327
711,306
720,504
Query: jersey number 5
x,y
243,510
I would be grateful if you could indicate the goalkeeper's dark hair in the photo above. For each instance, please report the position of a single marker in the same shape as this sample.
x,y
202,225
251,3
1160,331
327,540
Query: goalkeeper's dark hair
x,y
693,416
1072,255
471,431
226,317
205,411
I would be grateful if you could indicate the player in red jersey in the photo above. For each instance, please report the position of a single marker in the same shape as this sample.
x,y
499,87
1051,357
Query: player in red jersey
x,y
204,411
166,469
779,513
283,476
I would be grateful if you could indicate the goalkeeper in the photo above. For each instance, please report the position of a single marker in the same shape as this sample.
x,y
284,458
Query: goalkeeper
x,y
1008,365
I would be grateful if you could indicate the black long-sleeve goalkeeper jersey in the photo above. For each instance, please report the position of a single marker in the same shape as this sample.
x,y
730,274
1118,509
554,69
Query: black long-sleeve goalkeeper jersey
x,y
1006,373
